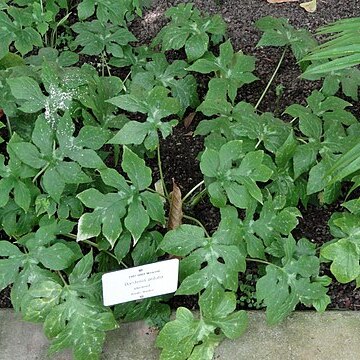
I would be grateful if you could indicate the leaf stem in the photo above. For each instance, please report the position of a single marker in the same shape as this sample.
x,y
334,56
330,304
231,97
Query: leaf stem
x,y
40,173
156,192
71,236
192,190
104,64
271,79
161,172
197,222
258,143
89,242
149,189
266,263
54,31
123,81
62,278
42,14
260,261
105,251
195,200
200,312
9,126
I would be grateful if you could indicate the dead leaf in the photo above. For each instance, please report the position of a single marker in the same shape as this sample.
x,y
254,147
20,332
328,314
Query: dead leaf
x,y
188,120
175,213
279,1
309,6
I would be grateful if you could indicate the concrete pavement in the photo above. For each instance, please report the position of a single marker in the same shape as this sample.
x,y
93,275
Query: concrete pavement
x,y
334,335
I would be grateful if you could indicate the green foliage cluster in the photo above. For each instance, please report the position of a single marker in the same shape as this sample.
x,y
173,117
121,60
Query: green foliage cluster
x,y
77,198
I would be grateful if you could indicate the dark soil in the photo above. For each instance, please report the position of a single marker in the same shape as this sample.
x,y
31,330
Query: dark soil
x,y
5,298
179,152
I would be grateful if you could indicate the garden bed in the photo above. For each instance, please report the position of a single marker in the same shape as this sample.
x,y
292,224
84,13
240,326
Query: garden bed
x,y
180,154
180,150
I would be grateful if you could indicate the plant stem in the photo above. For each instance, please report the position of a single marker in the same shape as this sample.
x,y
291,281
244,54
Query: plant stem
x,y
116,154
266,263
108,68
149,189
200,312
62,278
8,126
197,198
197,222
40,173
42,14
105,251
123,81
260,261
192,190
258,143
155,192
271,79
71,236
102,64
54,31
161,172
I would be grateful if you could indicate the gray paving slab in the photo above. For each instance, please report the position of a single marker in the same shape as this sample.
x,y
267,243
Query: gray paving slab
x,y
334,335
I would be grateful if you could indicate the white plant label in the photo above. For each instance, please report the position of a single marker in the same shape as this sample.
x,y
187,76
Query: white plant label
x,y
140,282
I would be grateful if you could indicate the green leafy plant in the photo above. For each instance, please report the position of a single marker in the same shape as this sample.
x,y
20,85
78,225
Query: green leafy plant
x,y
17,28
239,182
60,305
93,96
342,48
97,37
174,76
111,208
189,29
278,32
296,279
324,122
235,69
248,291
157,105
28,24
335,60
118,12
201,269
343,251
78,198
